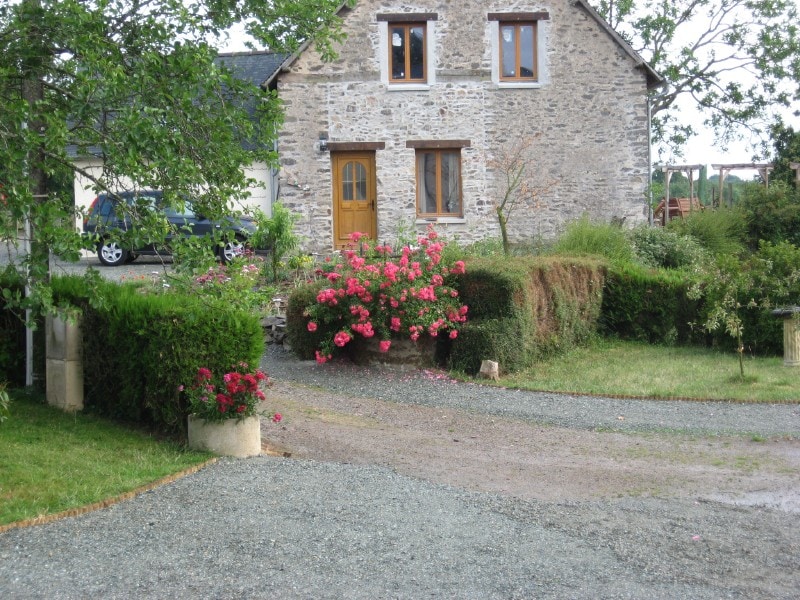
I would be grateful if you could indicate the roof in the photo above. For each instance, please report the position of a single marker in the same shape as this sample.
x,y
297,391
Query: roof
x,y
257,67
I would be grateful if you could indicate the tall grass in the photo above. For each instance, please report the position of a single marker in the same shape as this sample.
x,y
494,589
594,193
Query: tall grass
x,y
584,238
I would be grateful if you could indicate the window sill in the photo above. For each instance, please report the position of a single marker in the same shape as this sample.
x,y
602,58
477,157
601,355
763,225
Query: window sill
x,y
408,87
441,220
513,85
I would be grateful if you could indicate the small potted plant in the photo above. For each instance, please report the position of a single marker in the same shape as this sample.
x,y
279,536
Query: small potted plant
x,y
224,412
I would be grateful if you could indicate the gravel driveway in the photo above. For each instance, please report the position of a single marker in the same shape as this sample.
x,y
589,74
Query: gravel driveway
x,y
389,494
273,527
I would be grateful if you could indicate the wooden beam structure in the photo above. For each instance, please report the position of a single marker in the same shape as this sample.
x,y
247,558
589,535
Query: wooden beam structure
x,y
724,170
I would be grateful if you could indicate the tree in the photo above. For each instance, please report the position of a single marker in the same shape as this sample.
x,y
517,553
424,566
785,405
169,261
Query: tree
x,y
786,145
513,165
135,83
735,60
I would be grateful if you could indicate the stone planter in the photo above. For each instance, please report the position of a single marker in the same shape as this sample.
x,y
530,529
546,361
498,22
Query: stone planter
x,y
419,354
230,437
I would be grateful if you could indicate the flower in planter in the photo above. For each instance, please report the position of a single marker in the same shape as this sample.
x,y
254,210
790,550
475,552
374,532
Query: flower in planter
x,y
236,395
375,294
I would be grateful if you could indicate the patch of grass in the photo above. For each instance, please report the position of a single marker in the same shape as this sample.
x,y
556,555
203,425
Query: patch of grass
x,y
611,367
51,461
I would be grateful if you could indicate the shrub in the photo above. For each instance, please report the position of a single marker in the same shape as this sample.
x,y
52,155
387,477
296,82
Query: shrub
x,y
772,214
12,329
663,248
523,308
139,348
583,238
722,232
649,305
374,295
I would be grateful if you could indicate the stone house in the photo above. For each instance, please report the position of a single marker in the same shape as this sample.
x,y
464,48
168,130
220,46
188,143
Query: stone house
x,y
403,128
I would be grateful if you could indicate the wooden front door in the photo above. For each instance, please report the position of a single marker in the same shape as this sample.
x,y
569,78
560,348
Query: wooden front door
x,y
354,193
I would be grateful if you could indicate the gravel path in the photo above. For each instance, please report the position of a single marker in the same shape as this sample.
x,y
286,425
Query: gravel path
x,y
275,528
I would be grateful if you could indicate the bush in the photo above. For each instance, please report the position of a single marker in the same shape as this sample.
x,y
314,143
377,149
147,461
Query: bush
x,y
772,214
523,308
720,232
12,330
139,348
649,306
583,238
663,248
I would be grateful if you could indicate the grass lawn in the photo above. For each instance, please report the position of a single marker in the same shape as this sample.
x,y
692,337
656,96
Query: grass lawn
x,y
610,367
51,461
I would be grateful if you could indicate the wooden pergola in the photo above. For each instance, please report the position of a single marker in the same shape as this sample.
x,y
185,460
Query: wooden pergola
x,y
796,167
724,170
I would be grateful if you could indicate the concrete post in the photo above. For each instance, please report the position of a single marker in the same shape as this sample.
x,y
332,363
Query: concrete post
x,y
64,360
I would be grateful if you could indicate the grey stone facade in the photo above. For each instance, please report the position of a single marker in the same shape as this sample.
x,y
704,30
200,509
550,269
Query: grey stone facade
x,y
587,119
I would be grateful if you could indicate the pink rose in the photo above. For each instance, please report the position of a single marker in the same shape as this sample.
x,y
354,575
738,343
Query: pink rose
x,y
312,327
384,345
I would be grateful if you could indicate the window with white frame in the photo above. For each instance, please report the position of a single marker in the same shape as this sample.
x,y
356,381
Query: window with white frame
x,y
519,48
407,60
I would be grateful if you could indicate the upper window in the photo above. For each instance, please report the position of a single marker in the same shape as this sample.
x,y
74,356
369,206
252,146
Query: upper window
x,y
406,58
518,48
407,52
518,51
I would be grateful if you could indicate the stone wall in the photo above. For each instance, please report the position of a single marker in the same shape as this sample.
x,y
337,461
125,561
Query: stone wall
x,y
588,122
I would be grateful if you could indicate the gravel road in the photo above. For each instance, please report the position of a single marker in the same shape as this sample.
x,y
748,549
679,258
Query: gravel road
x,y
272,527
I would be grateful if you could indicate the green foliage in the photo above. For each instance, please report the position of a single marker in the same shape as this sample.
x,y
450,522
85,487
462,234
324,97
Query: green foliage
x,y
145,90
649,306
736,60
523,308
12,328
139,348
584,238
772,214
276,235
664,248
303,342
786,144
721,232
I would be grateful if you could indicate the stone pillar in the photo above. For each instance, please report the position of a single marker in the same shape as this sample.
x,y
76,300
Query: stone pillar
x,y
791,335
64,358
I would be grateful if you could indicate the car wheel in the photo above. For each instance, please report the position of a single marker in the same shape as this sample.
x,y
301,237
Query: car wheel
x,y
111,254
231,249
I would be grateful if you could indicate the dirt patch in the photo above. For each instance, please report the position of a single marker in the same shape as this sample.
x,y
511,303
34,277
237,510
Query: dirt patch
x,y
524,460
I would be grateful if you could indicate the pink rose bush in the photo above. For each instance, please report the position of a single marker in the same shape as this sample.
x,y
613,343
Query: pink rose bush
x,y
374,293
236,395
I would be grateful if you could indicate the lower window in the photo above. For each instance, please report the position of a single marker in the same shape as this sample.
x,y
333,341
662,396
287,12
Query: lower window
x,y
439,183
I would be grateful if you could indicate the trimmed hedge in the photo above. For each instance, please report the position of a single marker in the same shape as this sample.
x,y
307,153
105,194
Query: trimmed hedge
x,y
521,308
12,331
650,306
139,348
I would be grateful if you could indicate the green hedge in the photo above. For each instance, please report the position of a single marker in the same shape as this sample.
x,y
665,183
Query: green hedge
x,y
651,306
521,308
12,331
137,349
